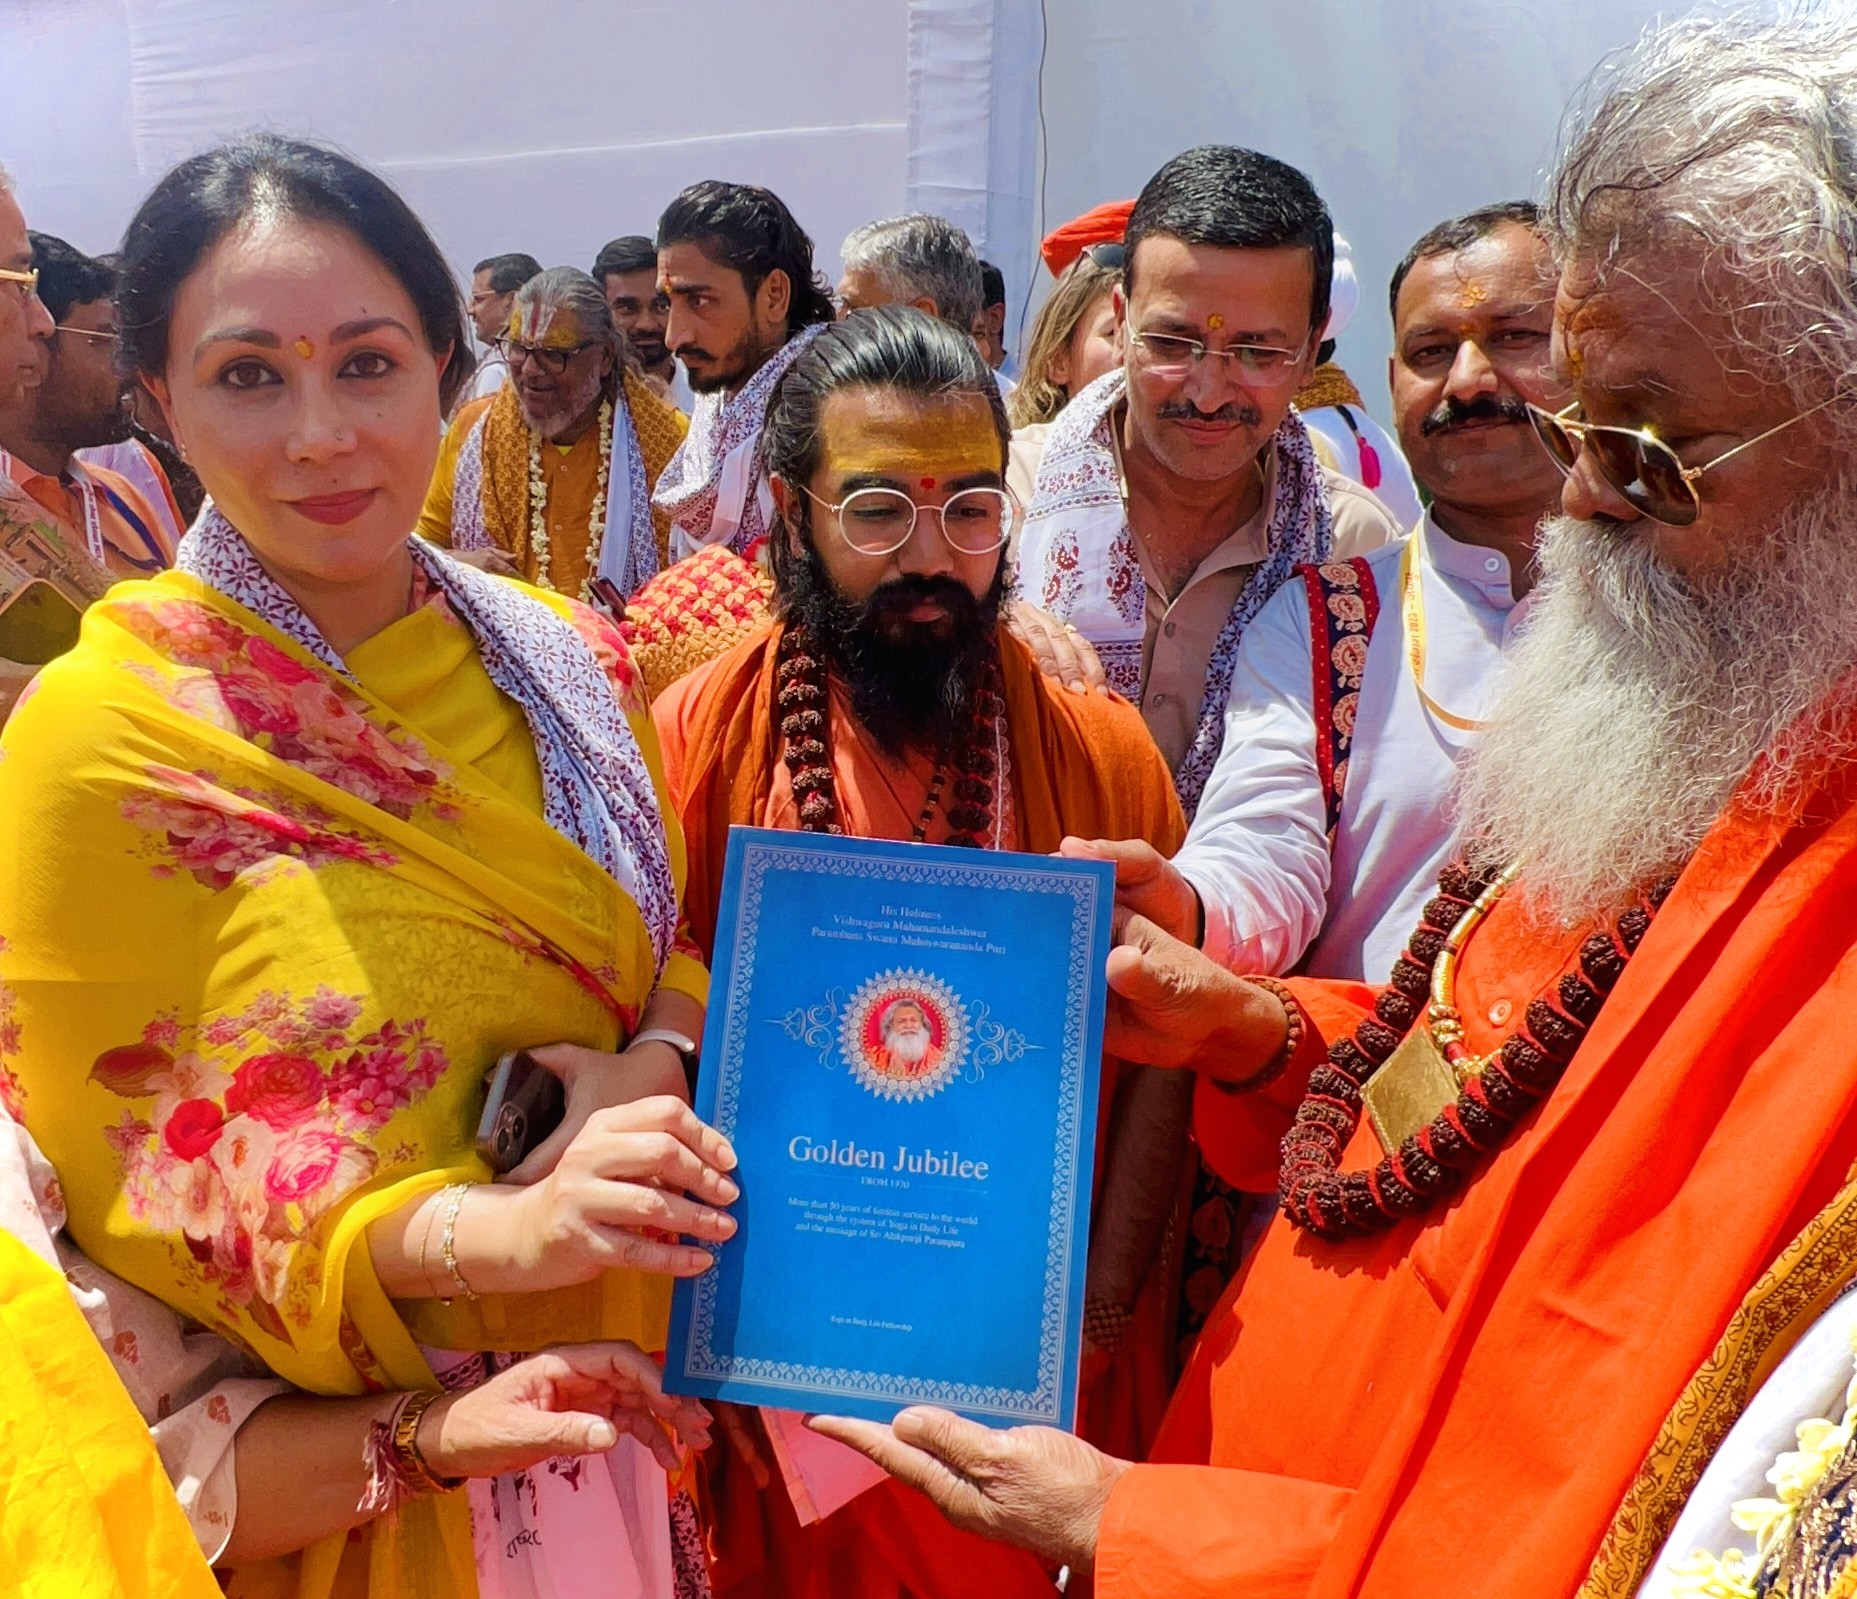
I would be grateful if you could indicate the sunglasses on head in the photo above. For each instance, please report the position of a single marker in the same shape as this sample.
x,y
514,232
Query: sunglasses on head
x,y
1646,472
1110,257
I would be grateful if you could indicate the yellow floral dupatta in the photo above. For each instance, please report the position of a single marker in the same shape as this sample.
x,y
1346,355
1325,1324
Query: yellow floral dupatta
x,y
262,939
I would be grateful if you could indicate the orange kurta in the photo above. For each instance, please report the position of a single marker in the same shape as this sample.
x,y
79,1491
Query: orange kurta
x,y
1080,764
570,475
1457,1406
135,536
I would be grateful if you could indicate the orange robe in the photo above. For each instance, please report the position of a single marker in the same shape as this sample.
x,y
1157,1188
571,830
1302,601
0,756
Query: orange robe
x,y
1458,1405
1080,764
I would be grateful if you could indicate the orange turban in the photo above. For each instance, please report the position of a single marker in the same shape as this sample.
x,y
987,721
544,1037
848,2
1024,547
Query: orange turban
x,y
1103,225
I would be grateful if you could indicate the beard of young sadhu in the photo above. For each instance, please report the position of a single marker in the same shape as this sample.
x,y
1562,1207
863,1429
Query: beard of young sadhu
x,y
911,684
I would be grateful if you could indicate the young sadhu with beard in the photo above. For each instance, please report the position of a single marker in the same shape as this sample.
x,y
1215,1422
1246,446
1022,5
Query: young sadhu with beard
x,y
1560,1195
885,701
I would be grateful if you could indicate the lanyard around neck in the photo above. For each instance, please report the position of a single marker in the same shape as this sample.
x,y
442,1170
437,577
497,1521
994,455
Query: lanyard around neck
x,y
1412,610
87,501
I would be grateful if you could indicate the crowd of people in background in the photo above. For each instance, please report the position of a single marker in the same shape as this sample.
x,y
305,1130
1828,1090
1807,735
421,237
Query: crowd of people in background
x,y
1472,1207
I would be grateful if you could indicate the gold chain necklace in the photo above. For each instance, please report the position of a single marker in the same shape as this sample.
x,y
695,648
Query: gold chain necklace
x,y
596,521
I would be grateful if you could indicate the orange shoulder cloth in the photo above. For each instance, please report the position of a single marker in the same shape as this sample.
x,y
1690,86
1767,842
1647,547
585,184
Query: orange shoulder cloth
x,y
1082,764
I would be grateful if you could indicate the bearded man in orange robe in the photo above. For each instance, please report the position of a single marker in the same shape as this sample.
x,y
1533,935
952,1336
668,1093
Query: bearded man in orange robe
x,y
886,701
1528,1186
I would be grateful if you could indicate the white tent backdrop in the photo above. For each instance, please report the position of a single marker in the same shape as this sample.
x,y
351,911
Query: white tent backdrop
x,y
552,125
548,126
1402,112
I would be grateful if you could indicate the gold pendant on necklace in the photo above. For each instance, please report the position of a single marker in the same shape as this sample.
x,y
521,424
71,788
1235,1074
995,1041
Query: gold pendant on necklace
x,y
1410,1090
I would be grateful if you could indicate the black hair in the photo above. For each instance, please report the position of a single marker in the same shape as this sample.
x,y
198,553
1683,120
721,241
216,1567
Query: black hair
x,y
508,272
1459,233
208,195
750,231
618,257
884,347
67,277
992,285
1236,199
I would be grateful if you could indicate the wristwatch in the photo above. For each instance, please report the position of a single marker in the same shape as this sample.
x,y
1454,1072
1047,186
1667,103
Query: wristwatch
x,y
686,1046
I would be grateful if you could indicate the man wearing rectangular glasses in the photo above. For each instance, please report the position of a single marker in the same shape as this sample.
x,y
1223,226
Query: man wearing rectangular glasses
x,y
550,478
1176,494
1560,1196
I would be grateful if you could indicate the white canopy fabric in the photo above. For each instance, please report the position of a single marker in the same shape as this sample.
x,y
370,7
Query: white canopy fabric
x,y
548,126
553,125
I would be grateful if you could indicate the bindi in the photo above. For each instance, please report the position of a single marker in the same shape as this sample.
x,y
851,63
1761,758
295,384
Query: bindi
x,y
303,347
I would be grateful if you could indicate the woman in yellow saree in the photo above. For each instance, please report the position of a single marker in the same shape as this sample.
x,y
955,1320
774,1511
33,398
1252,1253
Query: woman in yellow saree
x,y
304,836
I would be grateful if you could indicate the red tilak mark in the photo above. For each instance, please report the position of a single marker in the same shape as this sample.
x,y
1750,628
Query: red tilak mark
x,y
928,483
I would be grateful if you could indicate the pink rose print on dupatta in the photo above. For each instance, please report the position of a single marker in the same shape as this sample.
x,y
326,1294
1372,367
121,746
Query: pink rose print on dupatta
x,y
216,833
254,1124
299,713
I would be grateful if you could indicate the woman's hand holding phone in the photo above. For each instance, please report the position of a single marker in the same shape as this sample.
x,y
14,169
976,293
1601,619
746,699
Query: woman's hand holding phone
x,y
595,1080
633,1174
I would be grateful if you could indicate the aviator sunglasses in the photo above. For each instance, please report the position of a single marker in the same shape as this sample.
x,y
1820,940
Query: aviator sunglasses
x,y
1640,466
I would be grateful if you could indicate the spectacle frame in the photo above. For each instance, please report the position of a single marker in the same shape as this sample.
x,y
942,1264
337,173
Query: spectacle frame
x,y
1174,355
880,521
1645,471
553,362
30,278
1111,257
114,337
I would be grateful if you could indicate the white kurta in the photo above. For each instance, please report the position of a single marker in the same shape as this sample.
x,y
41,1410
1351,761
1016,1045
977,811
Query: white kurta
x,y
1258,851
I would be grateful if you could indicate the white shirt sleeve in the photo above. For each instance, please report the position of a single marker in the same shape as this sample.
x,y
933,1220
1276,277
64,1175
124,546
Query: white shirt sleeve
x,y
1257,852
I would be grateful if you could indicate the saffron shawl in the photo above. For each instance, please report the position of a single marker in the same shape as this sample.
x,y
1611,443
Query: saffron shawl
x,y
1528,1343
490,509
1077,556
263,938
715,488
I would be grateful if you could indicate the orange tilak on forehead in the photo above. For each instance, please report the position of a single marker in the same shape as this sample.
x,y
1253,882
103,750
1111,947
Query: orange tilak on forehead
x,y
923,447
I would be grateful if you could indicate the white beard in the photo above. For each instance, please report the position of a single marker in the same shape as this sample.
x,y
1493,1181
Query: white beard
x,y
550,424
911,1049
1636,701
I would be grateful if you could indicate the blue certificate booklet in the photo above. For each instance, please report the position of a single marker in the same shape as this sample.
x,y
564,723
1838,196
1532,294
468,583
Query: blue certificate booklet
x,y
904,1045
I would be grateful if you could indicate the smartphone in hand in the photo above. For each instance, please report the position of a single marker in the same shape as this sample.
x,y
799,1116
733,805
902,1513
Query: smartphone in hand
x,y
524,1102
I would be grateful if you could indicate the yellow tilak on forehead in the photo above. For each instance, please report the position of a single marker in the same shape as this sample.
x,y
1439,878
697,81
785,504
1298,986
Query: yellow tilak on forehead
x,y
950,441
536,325
303,347
1472,293
1215,321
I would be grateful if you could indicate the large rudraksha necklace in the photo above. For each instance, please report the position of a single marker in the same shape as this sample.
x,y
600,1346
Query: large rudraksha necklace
x,y
802,704
1401,1070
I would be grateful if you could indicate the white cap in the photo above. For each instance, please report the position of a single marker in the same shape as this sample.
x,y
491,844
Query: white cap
x,y
1344,291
